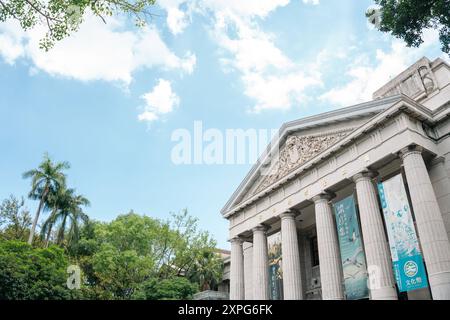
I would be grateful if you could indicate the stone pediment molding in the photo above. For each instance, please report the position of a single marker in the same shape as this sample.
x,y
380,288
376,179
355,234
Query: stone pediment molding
x,y
296,151
315,133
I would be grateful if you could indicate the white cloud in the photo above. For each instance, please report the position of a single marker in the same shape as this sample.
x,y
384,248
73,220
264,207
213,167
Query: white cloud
x,y
159,101
11,47
270,78
366,77
97,51
177,20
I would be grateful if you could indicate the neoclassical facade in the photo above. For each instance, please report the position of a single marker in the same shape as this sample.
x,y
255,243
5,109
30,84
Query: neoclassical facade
x,y
295,190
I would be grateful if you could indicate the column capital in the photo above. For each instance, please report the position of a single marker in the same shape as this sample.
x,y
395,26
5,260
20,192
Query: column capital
x,y
410,150
237,240
323,196
289,214
260,227
365,174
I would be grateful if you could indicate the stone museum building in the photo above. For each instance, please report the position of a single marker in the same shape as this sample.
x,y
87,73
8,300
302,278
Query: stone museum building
x,y
353,203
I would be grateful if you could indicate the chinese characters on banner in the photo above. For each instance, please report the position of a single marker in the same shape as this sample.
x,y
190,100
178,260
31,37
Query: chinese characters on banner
x,y
275,266
407,259
352,252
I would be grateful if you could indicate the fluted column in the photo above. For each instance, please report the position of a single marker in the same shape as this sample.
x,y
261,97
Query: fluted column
x,y
430,225
248,270
329,259
237,270
260,264
292,283
382,286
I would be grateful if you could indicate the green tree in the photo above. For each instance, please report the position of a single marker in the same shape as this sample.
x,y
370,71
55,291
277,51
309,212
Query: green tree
x,y
407,19
119,256
119,273
15,220
47,177
174,288
32,273
208,270
62,18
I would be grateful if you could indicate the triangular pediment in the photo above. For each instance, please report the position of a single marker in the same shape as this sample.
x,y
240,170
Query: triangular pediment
x,y
300,141
296,151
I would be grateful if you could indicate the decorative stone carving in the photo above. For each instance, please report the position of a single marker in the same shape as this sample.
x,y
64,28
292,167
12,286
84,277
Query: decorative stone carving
x,y
417,82
427,79
296,151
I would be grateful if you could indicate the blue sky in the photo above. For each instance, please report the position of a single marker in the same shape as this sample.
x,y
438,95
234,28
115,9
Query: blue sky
x,y
109,98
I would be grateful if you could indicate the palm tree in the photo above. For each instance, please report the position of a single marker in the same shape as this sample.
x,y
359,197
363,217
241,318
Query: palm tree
x,y
46,178
57,201
65,208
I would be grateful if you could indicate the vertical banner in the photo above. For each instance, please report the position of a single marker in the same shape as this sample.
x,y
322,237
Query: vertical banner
x,y
275,266
405,251
352,252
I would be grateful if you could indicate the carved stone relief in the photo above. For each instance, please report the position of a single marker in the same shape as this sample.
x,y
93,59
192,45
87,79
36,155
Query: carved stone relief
x,y
416,82
295,152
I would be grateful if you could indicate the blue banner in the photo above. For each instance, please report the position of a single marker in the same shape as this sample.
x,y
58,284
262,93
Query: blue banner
x,y
407,259
352,252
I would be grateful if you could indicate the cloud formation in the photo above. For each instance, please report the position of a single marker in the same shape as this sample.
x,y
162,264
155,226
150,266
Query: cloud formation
x,y
98,51
159,101
366,76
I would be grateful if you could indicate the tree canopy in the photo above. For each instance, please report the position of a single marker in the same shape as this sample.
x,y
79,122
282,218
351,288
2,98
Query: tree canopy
x,y
62,18
407,19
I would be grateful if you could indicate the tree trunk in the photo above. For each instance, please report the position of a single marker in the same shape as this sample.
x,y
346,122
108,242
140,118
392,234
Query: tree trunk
x,y
61,231
48,235
36,217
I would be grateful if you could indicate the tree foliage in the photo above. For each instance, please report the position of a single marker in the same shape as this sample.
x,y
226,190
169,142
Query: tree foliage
x,y
124,258
32,273
15,220
407,19
62,18
174,288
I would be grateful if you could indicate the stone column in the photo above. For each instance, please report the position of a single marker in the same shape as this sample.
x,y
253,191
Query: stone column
x,y
248,270
430,225
329,258
292,283
441,186
379,265
260,264
237,270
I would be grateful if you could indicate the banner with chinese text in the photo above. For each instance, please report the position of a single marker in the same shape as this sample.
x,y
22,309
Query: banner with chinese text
x,y
275,266
351,248
407,259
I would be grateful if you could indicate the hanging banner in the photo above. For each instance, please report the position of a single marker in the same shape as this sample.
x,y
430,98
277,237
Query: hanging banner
x,y
407,259
352,252
275,270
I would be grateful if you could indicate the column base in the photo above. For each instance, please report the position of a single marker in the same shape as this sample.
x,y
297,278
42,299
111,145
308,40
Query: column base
x,y
385,293
440,285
